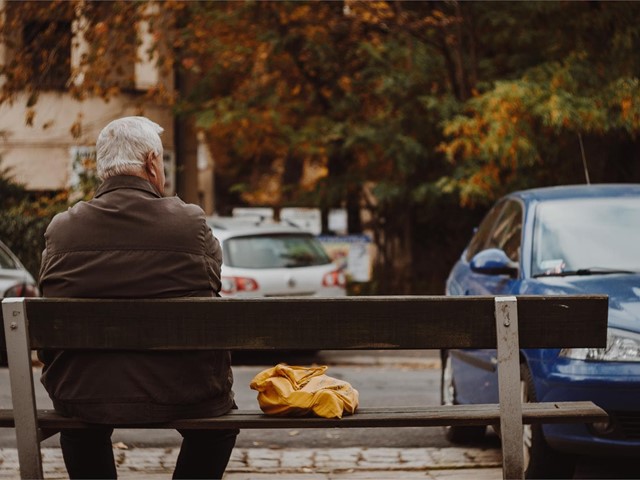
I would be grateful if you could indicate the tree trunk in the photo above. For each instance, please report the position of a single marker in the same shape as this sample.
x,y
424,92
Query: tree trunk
x,y
186,159
354,219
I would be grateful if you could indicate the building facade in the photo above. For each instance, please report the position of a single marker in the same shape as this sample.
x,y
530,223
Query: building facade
x,y
48,131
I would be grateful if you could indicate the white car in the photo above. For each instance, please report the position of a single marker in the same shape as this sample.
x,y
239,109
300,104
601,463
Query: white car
x,y
15,281
266,259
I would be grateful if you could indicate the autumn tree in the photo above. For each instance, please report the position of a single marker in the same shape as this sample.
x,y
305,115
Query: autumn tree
x,y
318,101
420,113
579,93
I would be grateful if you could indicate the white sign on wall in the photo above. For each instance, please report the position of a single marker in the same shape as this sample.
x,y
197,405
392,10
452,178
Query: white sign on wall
x,y
257,213
83,167
352,253
307,219
338,221
83,164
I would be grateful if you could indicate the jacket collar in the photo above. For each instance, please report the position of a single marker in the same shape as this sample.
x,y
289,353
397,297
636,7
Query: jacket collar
x,y
125,181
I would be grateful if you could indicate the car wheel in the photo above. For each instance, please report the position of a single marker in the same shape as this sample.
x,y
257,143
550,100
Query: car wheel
x,y
540,461
455,433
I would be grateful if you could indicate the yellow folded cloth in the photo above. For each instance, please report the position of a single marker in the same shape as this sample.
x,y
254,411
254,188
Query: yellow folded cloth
x,y
295,391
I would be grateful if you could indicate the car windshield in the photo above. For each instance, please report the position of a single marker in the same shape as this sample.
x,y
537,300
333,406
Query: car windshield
x,y
587,236
274,251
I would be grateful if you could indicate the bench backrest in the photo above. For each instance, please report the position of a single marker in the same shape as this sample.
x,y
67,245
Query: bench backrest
x,y
389,322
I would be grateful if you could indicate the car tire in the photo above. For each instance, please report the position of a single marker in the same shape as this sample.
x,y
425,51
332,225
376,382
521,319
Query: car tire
x,y
540,460
455,433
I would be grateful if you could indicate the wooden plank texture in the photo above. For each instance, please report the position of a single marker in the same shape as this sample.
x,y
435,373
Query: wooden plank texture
x,y
416,322
427,416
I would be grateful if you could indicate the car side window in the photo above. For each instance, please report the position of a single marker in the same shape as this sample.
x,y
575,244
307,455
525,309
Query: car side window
x,y
481,236
507,232
6,261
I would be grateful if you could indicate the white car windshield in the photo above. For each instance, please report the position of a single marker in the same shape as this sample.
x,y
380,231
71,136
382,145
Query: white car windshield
x,y
587,236
6,261
274,251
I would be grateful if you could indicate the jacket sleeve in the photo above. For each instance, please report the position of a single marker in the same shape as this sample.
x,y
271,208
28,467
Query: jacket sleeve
x,y
43,262
213,254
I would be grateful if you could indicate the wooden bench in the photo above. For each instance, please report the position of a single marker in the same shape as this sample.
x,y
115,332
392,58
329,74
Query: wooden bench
x,y
410,322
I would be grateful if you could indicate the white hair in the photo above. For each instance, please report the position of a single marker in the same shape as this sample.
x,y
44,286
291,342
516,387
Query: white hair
x,y
123,146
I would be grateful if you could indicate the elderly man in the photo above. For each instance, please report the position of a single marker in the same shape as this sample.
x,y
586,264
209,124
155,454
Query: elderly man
x,y
131,242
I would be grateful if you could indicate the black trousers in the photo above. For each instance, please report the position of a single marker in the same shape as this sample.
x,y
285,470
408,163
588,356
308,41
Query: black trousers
x,y
204,453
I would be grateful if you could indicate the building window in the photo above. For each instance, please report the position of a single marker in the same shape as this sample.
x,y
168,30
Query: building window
x,y
47,49
116,41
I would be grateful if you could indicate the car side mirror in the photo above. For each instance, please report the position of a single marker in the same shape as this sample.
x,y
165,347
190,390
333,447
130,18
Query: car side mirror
x,y
493,261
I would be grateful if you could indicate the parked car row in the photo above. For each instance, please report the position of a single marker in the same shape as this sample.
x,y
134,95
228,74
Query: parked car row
x,y
555,241
15,281
549,241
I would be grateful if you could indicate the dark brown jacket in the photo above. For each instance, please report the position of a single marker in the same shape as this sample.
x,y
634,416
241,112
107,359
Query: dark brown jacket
x,y
129,242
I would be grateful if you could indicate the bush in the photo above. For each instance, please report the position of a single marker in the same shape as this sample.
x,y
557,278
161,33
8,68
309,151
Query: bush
x,y
24,219
22,228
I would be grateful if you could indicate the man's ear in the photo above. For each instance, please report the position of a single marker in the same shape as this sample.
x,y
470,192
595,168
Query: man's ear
x,y
149,165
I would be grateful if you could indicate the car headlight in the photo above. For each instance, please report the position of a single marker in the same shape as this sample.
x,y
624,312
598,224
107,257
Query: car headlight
x,y
622,346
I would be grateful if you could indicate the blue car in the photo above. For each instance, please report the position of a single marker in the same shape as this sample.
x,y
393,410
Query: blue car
x,y
552,241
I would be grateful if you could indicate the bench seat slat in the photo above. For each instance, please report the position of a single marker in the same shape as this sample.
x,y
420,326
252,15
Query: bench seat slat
x,y
428,416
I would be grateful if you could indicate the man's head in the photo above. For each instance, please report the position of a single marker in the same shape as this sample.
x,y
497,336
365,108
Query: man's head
x,y
131,146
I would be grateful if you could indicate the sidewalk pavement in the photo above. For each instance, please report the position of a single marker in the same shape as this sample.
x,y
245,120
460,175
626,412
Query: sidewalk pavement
x,y
451,463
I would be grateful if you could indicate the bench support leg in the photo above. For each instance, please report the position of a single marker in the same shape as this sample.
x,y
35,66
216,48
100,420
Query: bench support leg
x,y
22,391
509,387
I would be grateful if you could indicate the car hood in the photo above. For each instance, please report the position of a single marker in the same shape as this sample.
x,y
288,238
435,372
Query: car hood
x,y
623,292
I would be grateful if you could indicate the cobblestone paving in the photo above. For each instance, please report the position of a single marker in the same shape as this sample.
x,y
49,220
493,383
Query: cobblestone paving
x,y
255,463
